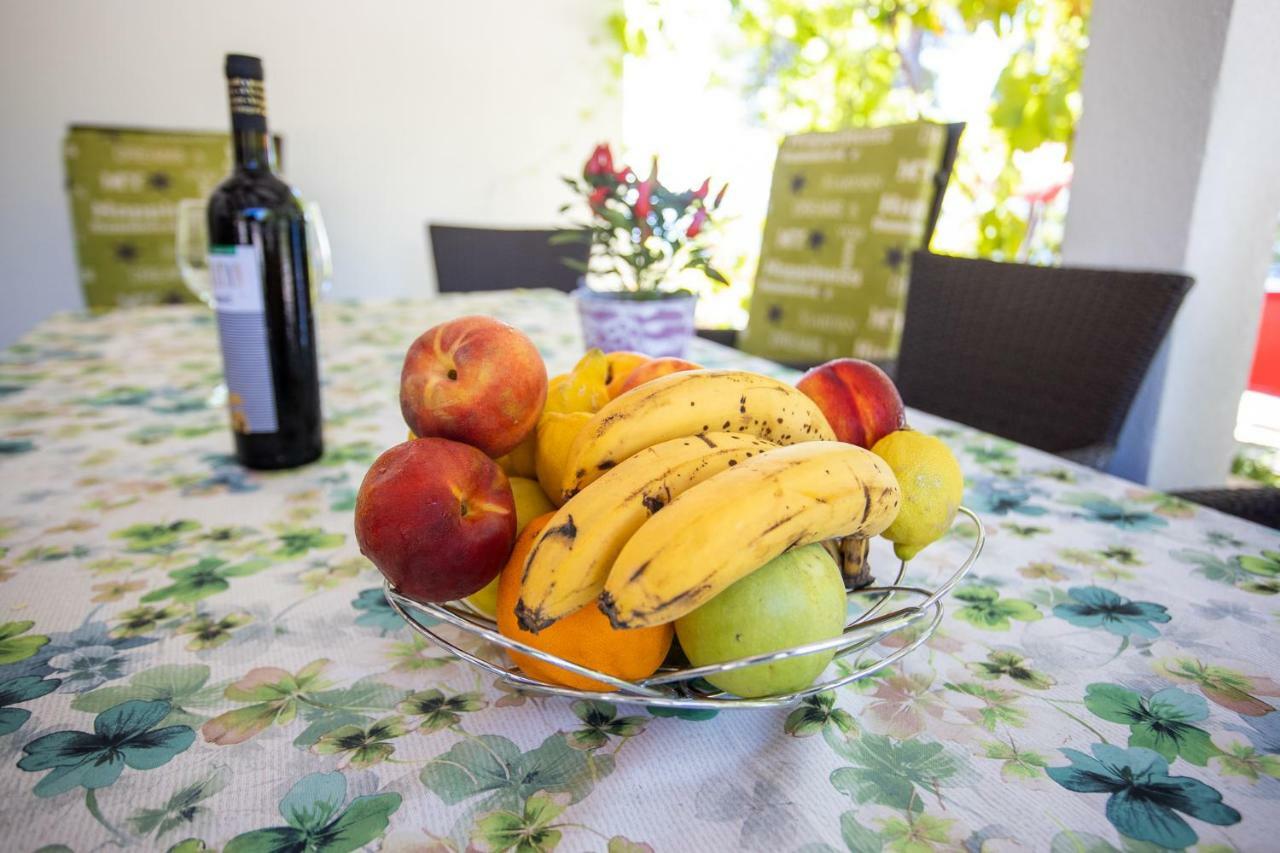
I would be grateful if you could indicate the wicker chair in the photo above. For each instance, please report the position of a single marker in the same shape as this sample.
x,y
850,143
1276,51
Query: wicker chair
x,y
471,259
1261,505
1051,357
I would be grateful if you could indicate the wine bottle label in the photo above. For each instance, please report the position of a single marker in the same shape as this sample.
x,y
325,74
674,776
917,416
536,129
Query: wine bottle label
x,y
248,104
242,328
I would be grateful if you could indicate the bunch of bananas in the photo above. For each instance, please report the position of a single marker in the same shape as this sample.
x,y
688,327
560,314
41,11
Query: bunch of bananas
x,y
687,483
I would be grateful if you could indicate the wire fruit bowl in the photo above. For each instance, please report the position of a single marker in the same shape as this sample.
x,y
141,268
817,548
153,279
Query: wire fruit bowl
x,y
685,687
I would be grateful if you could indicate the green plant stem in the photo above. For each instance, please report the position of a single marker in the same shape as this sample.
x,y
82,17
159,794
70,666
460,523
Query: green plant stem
x,y
91,803
1067,713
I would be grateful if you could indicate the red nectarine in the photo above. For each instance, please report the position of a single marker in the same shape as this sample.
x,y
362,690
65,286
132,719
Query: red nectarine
x,y
654,368
859,399
436,517
474,380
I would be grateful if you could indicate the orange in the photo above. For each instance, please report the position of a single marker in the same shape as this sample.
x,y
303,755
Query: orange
x,y
621,363
584,637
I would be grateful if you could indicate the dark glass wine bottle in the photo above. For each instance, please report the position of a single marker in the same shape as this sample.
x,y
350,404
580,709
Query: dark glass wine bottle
x,y
262,292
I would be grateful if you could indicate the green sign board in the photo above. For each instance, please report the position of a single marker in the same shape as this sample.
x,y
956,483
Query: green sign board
x,y
124,186
846,210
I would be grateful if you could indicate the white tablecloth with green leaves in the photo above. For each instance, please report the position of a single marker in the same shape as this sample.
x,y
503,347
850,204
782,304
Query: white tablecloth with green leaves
x,y
196,656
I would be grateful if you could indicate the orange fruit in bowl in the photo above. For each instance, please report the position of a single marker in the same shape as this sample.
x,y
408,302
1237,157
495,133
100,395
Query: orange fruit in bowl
x,y
621,363
584,637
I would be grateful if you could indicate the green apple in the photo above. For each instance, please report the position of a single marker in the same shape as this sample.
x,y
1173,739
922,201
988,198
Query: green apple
x,y
791,600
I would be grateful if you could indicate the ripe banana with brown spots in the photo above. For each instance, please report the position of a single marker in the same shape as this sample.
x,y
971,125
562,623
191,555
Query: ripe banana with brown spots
x,y
726,527
687,403
571,557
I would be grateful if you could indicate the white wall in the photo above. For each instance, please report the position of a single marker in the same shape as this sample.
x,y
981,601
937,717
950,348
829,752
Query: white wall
x,y
1175,169
395,112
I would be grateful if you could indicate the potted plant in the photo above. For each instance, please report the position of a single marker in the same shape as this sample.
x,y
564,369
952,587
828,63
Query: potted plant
x,y
643,237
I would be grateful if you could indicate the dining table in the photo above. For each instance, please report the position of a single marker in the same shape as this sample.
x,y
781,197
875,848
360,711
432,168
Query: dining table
x,y
195,656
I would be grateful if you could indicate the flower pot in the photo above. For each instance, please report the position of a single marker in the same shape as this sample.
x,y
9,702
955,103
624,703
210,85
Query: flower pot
x,y
619,321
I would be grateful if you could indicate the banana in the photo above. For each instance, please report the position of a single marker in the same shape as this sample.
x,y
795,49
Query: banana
x,y
687,403
570,559
726,527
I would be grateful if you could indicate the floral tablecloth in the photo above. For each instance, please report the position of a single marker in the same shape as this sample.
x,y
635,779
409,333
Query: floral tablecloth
x,y
195,656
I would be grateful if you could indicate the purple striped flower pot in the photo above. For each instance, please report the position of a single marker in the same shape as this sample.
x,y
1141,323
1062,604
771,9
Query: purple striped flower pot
x,y
656,327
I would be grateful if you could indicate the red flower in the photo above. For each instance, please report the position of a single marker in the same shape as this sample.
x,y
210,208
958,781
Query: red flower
x,y
720,196
644,200
701,192
598,195
699,217
600,163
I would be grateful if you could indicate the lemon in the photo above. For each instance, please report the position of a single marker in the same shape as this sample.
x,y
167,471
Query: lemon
x,y
556,432
530,503
520,461
932,487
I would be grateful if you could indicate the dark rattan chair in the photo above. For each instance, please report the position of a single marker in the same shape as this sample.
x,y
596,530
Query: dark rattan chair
x,y
1261,505
1051,357
471,259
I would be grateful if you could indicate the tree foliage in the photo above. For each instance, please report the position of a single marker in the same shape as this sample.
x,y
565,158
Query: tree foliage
x,y
828,64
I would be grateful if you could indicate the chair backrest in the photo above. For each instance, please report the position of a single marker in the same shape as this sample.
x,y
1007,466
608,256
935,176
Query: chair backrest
x,y
1047,356
846,209
470,259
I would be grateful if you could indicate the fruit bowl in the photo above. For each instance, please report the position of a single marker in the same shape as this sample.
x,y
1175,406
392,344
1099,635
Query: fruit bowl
x,y
684,687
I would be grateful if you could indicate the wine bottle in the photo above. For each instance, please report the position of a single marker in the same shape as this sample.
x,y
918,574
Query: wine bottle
x,y
262,292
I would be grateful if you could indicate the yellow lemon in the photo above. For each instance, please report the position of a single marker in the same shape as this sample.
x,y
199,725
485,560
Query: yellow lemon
x,y
932,488
520,461
531,502
556,432
556,399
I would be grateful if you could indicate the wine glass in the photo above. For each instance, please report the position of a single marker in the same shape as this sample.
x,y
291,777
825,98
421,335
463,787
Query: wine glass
x,y
191,247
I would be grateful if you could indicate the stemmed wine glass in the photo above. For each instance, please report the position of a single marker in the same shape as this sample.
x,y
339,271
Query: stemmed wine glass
x,y
191,248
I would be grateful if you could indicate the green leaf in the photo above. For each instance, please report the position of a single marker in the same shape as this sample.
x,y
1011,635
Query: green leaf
x,y
498,831
1113,703
471,767
1269,565
858,838
281,839
241,724
247,568
805,721
1070,841
314,800
541,809
1170,740
569,235
14,648
363,821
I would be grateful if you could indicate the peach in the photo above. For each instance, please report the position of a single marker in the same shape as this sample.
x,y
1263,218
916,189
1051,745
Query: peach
x,y
859,399
654,368
621,364
474,380
436,517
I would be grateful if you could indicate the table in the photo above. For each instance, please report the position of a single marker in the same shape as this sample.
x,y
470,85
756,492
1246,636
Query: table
x,y
196,655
